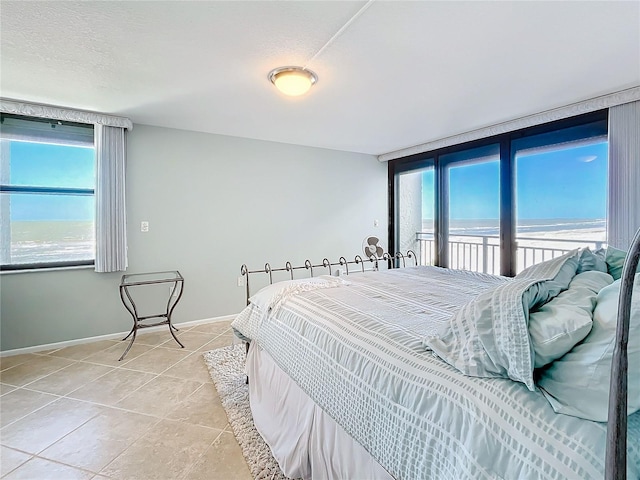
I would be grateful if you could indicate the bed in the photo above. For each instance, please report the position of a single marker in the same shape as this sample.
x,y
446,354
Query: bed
x,y
383,374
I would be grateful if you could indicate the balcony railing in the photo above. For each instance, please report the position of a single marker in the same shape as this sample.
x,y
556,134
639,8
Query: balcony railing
x,y
481,253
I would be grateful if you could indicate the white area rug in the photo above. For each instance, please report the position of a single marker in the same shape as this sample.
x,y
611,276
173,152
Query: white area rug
x,y
226,366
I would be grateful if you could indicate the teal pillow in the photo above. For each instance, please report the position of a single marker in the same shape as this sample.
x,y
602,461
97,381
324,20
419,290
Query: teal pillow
x,y
540,293
578,383
562,322
591,261
615,261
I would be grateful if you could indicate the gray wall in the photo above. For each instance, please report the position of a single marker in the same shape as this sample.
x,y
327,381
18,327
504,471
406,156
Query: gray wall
x,y
213,202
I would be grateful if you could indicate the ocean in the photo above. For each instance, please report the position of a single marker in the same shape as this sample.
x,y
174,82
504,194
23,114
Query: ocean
x,y
53,241
528,228
39,241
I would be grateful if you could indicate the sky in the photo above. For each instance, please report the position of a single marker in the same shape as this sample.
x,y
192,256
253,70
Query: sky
x,y
568,184
46,165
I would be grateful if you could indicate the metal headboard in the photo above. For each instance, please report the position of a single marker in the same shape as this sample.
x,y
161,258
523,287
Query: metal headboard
x,y
616,459
397,260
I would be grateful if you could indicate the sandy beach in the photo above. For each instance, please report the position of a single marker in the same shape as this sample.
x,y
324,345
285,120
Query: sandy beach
x,y
481,252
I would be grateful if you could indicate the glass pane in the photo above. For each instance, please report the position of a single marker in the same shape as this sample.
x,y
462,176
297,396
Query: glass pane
x,y
155,277
415,199
47,165
561,201
47,228
473,236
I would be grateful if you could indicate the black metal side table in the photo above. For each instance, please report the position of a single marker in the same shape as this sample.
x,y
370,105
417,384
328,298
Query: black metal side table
x,y
155,278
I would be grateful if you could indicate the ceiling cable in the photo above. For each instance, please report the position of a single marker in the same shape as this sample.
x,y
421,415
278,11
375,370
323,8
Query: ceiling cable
x,y
339,32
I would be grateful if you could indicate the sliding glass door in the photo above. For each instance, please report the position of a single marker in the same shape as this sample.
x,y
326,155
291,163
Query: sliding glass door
x,y
415,213
501,204
471,220
561,194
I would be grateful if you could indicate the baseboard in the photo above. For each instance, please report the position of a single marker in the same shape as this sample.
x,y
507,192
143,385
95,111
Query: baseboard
x,y
110,336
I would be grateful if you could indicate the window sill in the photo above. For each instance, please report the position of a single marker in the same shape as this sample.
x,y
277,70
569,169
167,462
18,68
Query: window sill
x,y
45,269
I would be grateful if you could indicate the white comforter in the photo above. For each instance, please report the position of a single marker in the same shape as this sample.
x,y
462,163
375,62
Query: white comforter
x,y
357,350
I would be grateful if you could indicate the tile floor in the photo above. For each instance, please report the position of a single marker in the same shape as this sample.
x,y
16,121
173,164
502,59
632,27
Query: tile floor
x,y
78,413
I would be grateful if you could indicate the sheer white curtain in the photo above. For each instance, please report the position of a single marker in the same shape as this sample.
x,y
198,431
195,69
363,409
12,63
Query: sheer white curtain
x,y
624,174
111,221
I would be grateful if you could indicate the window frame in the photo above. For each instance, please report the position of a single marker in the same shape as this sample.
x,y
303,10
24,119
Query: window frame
x,y
47,190
507,145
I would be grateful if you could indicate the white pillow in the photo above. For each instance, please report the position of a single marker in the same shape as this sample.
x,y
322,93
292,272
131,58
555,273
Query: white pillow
x,y
566,319
272,295
578,383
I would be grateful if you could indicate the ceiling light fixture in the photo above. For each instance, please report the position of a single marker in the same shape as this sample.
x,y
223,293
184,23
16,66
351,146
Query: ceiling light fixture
x,y
292,81
295,81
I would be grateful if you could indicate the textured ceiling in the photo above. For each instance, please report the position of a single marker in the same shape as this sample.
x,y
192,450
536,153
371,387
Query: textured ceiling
x,y
402,73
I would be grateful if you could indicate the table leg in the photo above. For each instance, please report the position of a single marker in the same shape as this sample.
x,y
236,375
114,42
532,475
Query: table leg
x,y
129,334
174,335
130,344
134,314
171,305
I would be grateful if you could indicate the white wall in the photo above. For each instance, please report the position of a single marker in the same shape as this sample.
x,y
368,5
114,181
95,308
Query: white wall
x,y
409,210
213,202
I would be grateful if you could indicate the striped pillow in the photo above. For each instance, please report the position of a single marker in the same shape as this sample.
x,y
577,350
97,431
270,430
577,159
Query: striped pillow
x,y
489,336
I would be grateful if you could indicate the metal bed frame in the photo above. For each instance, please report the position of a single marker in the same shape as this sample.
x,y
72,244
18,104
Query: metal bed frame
x,y
616,457
392,261
616,450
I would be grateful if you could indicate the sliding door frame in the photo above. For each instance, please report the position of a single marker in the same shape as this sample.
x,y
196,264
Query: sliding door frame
x,y
507,185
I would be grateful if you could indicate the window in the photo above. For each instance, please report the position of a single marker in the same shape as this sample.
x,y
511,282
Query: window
x,y
504,203
561,194
470,234
47,182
